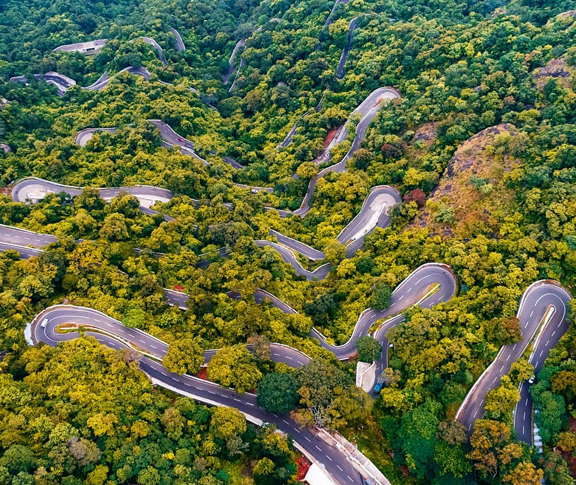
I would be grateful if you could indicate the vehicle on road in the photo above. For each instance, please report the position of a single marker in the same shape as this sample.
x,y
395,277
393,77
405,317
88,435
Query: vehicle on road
x,y
531,380
44,323
379,383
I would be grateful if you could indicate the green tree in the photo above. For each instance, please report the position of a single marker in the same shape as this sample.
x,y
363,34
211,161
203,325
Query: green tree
x,y
368,348
184,356
278,393
234,367
381,296
227,422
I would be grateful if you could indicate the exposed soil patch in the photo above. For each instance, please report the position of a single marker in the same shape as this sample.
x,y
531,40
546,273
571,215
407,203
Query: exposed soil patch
x,y
202,373
329,137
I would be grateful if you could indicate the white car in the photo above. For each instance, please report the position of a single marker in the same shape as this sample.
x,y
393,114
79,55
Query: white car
x,y
531,380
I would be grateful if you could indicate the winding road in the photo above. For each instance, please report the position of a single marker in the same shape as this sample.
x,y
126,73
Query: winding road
x,y
351,28
366,112
179,43
543,308
113,334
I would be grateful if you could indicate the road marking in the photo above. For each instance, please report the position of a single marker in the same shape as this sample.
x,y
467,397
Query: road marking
x,y
210,392
508,358
526,403
153,346
286,422
317,447
553,333
308,439
547,342
339,468
514,348
531,313
250,404
329,458
541,353
524,415
350,478
237,400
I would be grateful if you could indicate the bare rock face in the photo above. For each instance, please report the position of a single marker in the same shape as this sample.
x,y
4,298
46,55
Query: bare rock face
x,y
568,14
426,133
471,187
557,69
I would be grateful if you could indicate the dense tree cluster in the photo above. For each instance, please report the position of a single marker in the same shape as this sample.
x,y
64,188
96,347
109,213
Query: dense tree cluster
x,y
101,421
495,77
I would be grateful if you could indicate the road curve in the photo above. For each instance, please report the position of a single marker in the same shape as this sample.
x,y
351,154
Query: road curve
x,y
62,82
374,213
409,292
33,189
155,46
112,333
228,74
105,79
367,110
351,28
536,301
178,42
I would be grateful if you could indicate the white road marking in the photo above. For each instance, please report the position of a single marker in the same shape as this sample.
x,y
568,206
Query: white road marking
x,y
308,439
329,458
339,468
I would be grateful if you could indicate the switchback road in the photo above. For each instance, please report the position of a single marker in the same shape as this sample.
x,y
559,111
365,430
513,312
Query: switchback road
x,y
113,334
543,298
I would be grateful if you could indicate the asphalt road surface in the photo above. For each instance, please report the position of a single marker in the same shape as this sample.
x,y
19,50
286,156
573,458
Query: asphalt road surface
x,y
104,80
118,336
374,213
33,189
90,47
62,82
537,299
367,110
228,74
155,46
170,139
179,43
351,28
329,19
